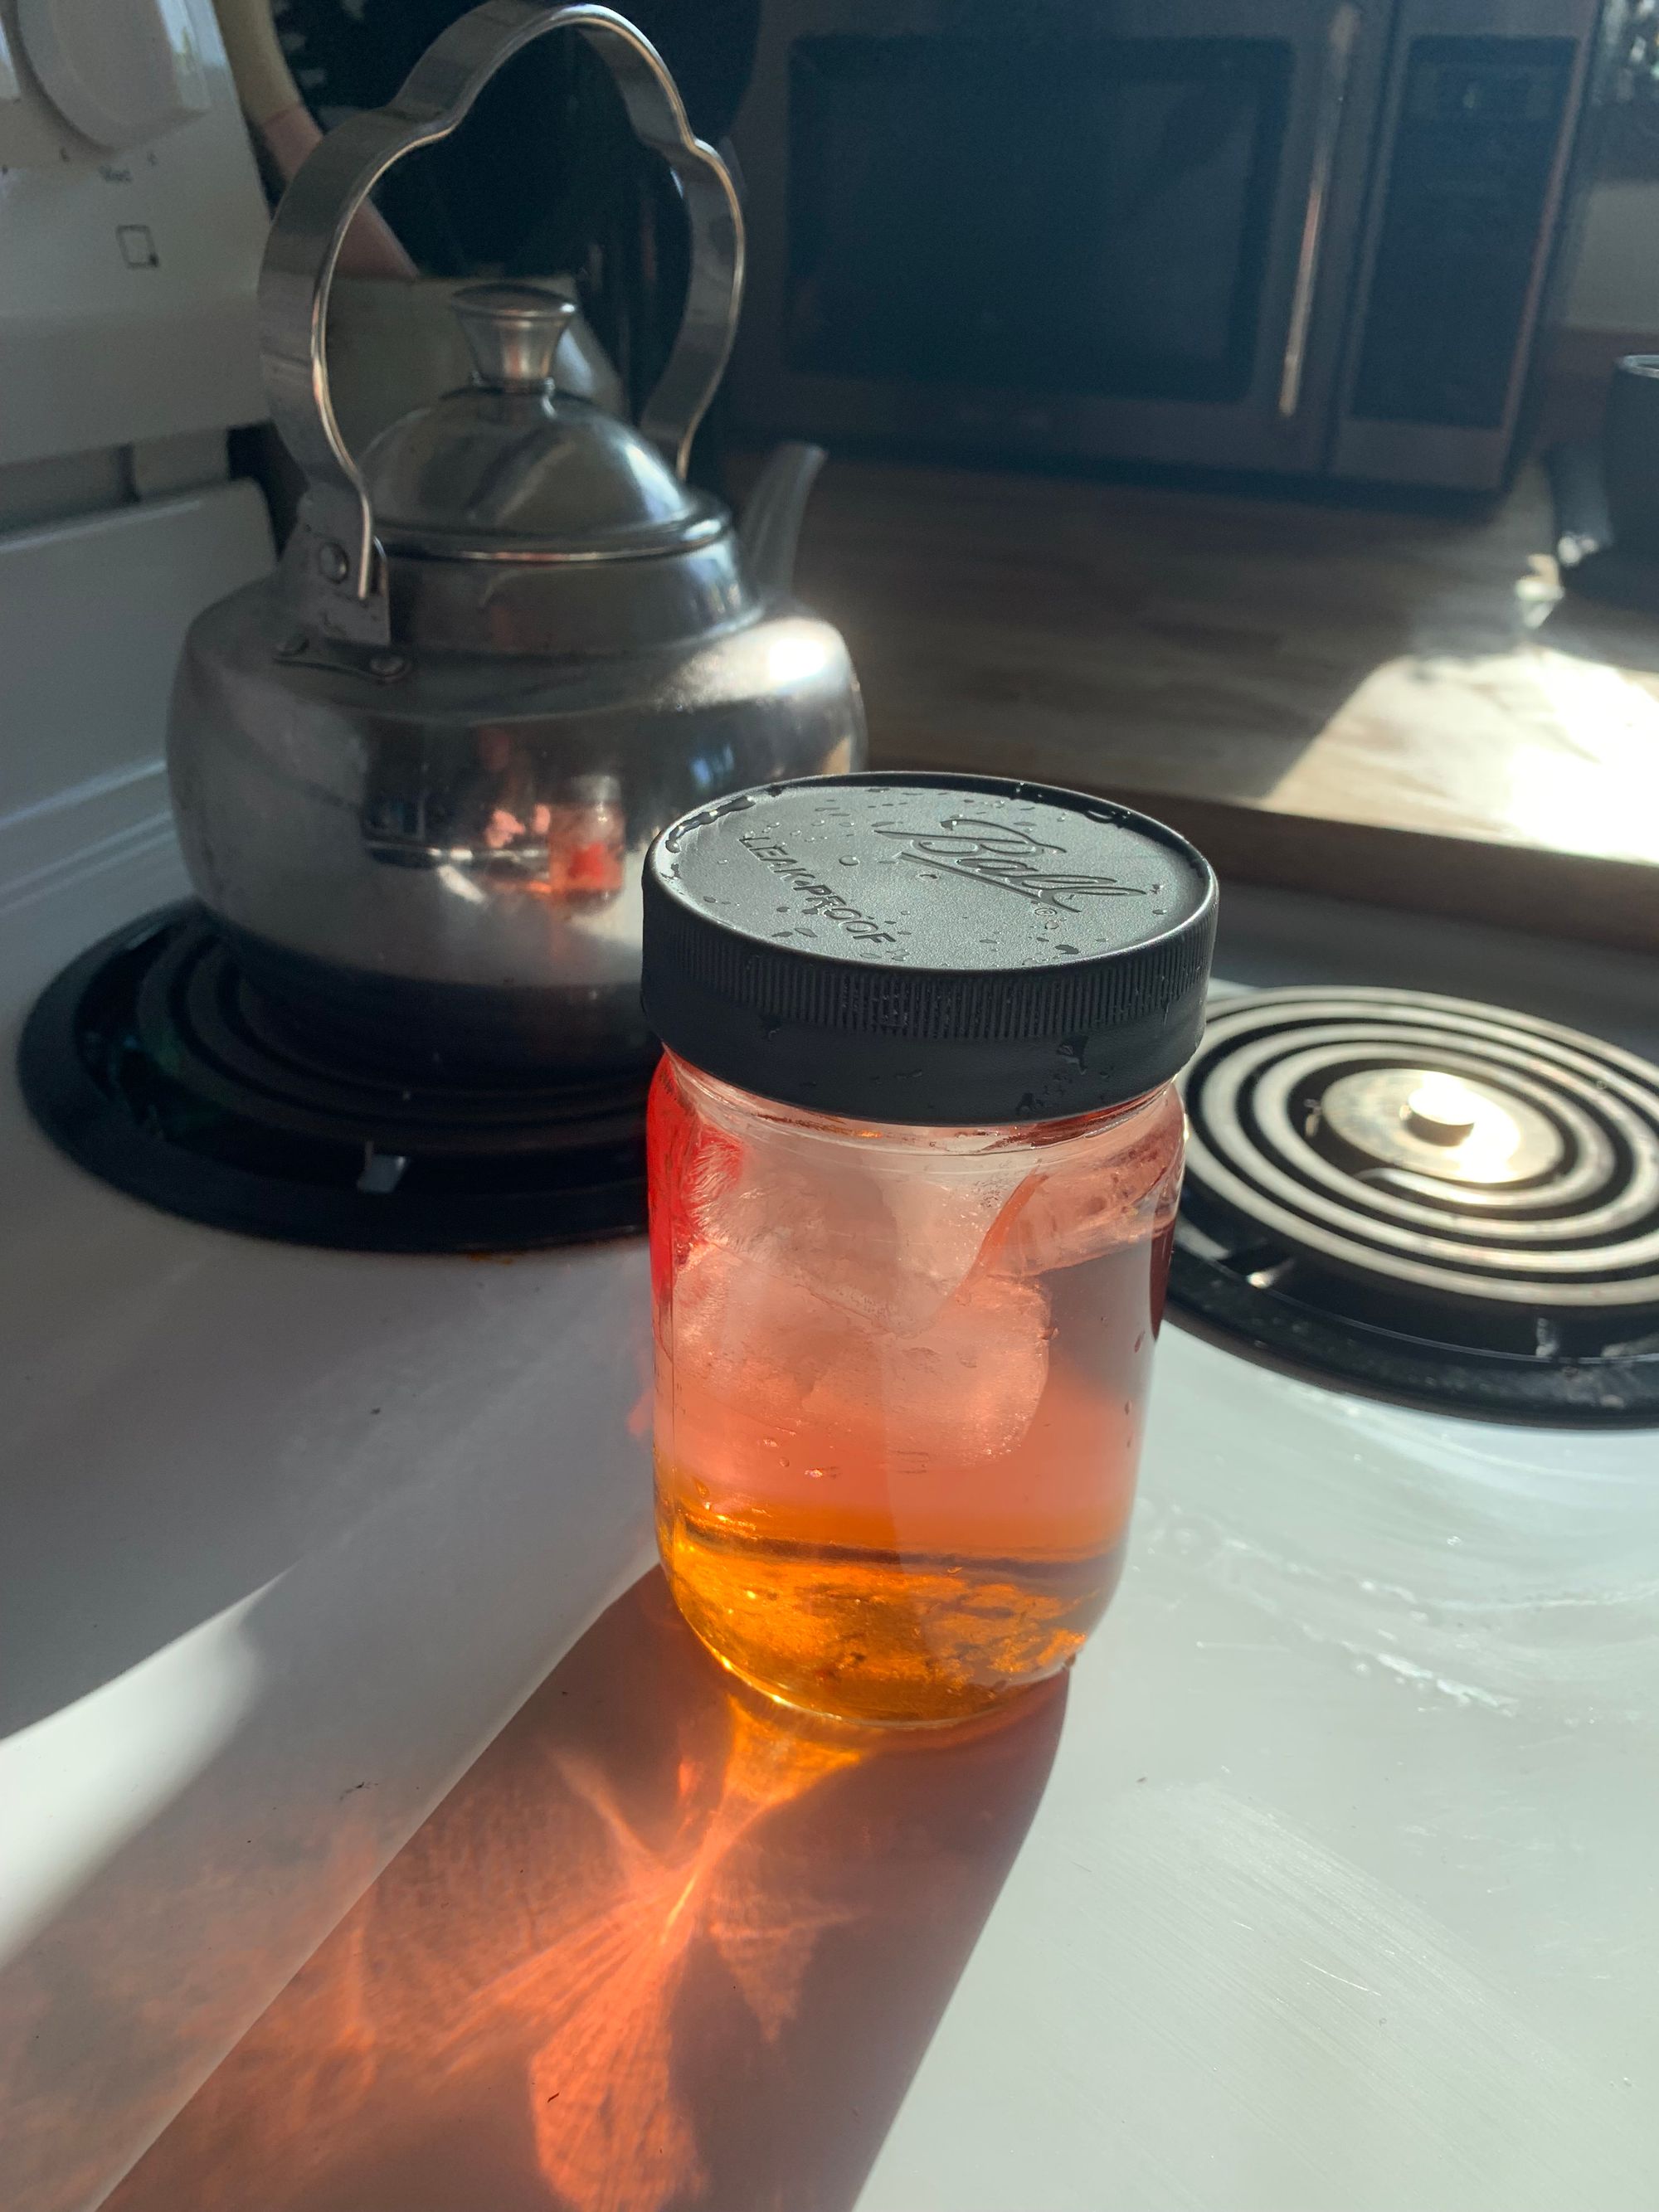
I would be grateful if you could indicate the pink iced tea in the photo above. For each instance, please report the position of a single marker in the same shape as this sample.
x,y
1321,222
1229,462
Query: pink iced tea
x,y
901,1373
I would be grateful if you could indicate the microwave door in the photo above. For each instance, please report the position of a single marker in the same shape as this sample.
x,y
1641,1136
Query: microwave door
x,y
1093,231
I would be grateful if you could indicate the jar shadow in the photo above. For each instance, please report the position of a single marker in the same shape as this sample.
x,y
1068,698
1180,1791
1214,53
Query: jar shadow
x,y
663,1946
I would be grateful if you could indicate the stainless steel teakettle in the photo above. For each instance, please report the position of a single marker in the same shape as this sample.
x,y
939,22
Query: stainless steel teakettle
x,y
416,773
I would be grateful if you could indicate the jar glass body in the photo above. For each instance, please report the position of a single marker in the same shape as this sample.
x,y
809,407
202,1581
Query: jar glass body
x,y
901,1375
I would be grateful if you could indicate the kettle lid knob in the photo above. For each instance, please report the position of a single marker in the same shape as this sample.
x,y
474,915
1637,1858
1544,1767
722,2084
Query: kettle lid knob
x,y
513,332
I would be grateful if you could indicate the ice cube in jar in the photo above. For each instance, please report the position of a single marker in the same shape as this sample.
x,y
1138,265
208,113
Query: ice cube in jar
x,y
910,1225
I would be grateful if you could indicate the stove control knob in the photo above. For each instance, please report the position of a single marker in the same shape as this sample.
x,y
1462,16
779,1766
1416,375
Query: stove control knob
x,y
120,72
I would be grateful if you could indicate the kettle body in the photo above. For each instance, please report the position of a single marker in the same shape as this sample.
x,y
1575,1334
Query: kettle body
x,y
415,772
439,867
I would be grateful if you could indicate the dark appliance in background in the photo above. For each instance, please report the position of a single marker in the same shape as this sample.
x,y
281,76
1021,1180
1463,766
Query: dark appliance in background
x,y
1305,236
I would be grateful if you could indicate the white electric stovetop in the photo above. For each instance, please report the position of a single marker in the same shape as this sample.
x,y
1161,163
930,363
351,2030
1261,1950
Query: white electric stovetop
x,y
1334,1891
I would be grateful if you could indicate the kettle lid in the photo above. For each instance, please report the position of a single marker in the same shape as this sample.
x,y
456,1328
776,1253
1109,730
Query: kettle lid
x,y
506,467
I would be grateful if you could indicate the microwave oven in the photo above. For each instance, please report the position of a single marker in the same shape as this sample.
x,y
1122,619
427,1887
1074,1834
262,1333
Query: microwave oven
x,y
1311,237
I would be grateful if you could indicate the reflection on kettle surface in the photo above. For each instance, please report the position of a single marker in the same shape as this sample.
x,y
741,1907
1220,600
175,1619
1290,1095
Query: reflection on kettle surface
x,y
507,786
585,840
506,812
664,1947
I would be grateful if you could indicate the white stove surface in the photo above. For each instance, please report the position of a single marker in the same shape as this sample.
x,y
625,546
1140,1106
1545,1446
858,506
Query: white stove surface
x,y
288,1535
1341,1893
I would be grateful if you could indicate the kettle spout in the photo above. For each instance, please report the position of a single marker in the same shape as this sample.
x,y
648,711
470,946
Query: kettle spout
x,y
771,528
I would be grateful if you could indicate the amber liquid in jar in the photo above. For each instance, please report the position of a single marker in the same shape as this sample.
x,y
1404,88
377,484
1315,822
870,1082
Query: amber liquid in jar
x,y
901,1375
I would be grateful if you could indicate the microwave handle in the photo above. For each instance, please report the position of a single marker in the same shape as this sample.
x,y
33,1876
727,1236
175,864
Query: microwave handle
x,y
1340,39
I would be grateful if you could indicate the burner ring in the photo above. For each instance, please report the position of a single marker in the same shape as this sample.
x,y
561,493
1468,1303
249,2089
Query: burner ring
x,y
1541,1246
223,1125
1420,1126
1530,1213
197,1019
1535,1298
1503,1212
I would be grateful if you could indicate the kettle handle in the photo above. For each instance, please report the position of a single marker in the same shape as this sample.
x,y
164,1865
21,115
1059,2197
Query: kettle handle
x,y
342,569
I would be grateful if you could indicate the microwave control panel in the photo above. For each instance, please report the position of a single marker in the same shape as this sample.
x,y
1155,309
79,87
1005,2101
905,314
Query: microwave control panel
x,y
1480,127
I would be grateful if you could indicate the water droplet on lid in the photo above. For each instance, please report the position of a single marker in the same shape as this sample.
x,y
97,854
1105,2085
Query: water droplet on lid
x,y
849,859
813,1474
1066,948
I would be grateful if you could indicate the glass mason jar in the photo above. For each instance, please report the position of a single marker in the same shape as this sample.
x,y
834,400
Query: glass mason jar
x,y
902,1353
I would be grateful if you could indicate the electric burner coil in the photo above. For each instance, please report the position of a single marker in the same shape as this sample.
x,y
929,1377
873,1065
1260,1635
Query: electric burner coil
x,y
1427,1197
152,1063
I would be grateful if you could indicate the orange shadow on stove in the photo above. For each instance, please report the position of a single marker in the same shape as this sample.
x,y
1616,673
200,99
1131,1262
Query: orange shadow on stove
x,y
661,1948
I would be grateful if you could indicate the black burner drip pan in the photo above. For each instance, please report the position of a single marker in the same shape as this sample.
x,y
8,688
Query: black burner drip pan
x,y
152,1064
1317,1328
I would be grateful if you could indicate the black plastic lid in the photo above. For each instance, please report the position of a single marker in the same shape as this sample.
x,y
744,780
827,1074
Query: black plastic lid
x,y
947,949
